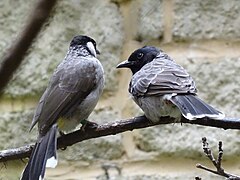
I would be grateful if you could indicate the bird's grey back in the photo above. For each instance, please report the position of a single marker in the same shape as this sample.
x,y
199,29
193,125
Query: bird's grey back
x,y
161,76
74,78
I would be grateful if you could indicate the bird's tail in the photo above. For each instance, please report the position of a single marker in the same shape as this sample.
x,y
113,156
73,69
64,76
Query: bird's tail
x,y
193,108
43,155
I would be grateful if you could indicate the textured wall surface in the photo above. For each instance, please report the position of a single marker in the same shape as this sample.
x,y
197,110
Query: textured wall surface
x,y
202,36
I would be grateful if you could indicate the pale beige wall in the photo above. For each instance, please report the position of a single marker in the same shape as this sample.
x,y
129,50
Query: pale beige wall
x,y
203,36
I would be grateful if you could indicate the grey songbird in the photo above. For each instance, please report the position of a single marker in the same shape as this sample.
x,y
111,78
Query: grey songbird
x,y
72,93
160,87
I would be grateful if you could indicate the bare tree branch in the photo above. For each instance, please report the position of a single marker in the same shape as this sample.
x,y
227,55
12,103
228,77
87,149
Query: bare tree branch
x,y
217,163
112,129
227,123
14,56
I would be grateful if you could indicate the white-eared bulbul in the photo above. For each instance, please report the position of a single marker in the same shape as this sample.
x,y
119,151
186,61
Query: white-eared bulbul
x,y
72,93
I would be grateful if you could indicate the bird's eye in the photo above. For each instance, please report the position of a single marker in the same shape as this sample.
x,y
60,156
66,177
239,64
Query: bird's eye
x,y
94,43
140,55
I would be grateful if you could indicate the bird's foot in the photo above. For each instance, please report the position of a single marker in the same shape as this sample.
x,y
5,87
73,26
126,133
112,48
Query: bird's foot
x,y
88,124
62,134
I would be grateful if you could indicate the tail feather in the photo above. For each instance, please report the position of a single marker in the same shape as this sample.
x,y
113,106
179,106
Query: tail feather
x,y
43,155
192,107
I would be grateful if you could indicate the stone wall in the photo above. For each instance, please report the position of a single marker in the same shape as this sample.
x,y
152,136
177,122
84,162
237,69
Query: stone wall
x,y
203,36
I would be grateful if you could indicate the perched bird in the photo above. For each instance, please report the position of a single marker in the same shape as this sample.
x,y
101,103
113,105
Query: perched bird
x,y
160,87
71,95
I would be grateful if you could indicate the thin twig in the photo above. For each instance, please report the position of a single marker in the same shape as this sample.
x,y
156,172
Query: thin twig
x,y
14,56
220,156
208,169
217,163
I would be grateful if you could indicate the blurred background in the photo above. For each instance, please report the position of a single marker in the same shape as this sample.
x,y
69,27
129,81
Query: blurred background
x,y
202,36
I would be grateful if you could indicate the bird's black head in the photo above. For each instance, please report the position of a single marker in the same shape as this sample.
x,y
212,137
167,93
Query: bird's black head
x,y
139,58
86,41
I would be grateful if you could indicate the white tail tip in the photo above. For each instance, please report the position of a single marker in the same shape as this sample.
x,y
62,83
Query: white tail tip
x,y
51,162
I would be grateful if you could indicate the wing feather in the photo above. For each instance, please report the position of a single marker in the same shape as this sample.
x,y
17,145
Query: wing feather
x,y
161,76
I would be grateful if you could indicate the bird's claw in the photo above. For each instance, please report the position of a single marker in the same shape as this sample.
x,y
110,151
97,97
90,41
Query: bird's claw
x,y
88,124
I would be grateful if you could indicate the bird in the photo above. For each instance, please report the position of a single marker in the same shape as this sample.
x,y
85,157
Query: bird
x,y
72,93
161,87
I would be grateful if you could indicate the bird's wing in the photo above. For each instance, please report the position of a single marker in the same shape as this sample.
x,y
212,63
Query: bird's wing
x,y
68,87
161,76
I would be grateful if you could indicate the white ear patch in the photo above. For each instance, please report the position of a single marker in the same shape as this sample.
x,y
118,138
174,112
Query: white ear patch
x,y
92,48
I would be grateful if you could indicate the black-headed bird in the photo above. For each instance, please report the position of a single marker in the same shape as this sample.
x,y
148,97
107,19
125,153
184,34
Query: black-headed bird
x,y
161,87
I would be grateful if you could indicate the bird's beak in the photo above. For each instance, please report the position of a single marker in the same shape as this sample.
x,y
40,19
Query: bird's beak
x,y
124,64
97,51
